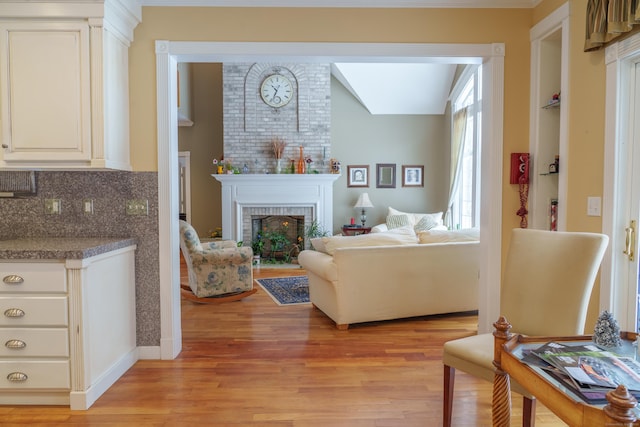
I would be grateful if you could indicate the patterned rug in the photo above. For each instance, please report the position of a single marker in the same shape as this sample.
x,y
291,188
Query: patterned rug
x,y
287,290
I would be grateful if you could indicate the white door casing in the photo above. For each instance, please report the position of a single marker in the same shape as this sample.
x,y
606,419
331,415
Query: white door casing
x,y
169,53
621,196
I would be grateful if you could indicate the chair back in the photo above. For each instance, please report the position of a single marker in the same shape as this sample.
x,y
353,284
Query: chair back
x,y
548,279
189,244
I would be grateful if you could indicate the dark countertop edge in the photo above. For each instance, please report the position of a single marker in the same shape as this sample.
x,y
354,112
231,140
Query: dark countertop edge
x,y
67,248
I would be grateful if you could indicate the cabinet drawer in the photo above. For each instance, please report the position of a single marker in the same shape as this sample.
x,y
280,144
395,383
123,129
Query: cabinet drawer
x,y
33,311
34,342
32,277
34,374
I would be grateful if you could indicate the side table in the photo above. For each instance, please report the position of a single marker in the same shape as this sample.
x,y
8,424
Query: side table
x,y
347,230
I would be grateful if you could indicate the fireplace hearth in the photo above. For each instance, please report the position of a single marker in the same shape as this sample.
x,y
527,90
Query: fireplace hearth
x,y
244,197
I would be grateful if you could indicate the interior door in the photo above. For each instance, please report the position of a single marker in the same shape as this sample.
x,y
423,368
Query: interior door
x,y
625,252
184,185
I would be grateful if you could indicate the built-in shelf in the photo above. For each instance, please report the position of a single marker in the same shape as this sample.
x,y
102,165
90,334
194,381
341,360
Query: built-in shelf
x,y
552,105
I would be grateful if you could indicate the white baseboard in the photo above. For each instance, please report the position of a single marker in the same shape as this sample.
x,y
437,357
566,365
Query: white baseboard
x,y
81,400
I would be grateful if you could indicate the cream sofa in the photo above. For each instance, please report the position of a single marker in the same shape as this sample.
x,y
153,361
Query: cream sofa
x,y
380,277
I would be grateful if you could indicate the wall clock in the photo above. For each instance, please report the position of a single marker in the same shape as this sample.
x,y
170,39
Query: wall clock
x,y
276,90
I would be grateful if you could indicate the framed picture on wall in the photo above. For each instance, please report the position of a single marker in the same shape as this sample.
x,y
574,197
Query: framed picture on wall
x,y
412,176
357,175
385,175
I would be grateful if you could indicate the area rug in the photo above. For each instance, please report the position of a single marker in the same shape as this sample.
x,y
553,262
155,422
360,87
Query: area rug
x,y
287,290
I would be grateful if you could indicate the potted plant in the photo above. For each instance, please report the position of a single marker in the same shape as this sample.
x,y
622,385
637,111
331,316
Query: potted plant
x,y
258,247
314,230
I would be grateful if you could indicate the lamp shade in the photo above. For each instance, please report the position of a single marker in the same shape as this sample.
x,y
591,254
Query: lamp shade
x,y
363,201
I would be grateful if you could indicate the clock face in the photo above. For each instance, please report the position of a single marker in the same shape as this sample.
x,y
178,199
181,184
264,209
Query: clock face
x,y
276,90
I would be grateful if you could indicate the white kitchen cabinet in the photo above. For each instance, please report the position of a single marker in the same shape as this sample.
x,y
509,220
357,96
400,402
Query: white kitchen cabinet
x,y
64,92
67,328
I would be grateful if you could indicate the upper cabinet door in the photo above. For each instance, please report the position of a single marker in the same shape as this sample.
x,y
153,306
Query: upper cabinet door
x,y
45,94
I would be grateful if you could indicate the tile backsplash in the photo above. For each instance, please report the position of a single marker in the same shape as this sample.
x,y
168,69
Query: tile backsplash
x,y
109,191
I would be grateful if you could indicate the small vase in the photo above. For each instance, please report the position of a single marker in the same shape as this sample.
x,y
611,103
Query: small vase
x,y
302,165
278,166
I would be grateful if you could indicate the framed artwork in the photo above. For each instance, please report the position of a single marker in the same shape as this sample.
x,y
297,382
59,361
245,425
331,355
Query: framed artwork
x,y
385,175
412,176
357,175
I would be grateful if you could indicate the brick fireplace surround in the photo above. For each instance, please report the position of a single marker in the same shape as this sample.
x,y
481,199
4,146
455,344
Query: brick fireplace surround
x,y
308,195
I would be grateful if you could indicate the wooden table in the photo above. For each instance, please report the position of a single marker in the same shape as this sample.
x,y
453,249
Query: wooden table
x,y
355,231
572,410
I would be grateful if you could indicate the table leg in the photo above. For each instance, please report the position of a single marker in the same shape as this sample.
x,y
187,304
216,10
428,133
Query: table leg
x,y
501,403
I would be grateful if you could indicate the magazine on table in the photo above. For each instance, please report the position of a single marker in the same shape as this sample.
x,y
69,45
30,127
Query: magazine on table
x,y
587,369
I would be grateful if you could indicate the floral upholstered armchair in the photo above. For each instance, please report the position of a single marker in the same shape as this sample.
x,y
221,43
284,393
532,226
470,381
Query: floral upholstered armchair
x,y
217,269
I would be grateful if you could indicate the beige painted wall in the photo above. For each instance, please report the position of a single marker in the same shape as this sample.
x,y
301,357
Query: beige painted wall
x,y
204,141
509,26
359,138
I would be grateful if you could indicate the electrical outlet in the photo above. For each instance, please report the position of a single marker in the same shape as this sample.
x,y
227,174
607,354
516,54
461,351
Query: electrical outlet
x,y
137,207
87,206
52,206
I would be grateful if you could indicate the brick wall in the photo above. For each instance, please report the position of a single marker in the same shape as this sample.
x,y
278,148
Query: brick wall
x,y
249,123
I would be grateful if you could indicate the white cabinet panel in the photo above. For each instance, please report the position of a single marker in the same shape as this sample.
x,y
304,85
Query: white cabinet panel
x,y
35,277
30,374
45,91
34,311
34,342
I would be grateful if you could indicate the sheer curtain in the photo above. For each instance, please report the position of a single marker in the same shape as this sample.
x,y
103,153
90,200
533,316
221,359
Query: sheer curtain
x,y
608,19
457,143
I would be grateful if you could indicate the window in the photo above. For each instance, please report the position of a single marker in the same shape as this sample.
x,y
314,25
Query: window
x,y
465,187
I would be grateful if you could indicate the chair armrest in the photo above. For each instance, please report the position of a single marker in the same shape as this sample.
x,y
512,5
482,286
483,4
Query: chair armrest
x,y
219,244
232,255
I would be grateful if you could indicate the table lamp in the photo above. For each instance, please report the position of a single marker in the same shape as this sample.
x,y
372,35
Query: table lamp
x,y
363,203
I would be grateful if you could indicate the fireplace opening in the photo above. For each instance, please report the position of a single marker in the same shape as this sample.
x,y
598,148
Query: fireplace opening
x,y
277,238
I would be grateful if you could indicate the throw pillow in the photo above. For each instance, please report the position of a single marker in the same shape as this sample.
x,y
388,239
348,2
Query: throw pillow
x,y
389,238
441,236
427,222
318,244
415,217
395,221
380,228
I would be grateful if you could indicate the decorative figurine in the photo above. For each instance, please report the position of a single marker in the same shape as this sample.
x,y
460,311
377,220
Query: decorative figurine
x,y
607,331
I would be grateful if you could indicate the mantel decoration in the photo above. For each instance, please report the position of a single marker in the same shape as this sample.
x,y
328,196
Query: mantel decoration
x,y
302,164
607,331
278,145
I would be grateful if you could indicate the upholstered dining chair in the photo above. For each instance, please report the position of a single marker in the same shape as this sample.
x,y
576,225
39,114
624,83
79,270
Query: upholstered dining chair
x,y
218,270
545,291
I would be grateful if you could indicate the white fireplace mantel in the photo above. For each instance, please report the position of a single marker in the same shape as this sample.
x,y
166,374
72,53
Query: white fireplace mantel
x,y
274,190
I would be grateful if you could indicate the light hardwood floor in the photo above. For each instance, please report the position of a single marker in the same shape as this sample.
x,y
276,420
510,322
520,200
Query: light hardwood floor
x,y
253,362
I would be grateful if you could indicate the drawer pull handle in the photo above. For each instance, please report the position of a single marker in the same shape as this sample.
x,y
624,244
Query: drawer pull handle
x,y
17,377
13,279
15,344
14,312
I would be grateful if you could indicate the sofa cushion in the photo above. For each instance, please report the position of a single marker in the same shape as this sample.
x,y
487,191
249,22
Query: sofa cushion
x,y
414,218
397,236
318,244
427,222
442,236
395,221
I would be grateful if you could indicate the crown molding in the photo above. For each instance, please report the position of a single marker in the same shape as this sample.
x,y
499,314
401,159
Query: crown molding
x,y
349,3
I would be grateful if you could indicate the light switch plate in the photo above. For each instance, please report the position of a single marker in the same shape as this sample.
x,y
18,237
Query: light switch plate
x,y
137,207
593,206
87,206
52,206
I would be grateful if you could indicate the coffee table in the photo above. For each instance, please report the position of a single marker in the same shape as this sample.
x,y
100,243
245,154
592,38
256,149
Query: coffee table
x,y
620,410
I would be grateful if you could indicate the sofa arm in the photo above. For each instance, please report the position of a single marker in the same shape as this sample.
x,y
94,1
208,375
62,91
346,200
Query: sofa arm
x,y
219,244
232,255
319,263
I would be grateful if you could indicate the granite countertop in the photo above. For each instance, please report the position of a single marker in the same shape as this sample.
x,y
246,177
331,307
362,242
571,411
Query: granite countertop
x,y
61,247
